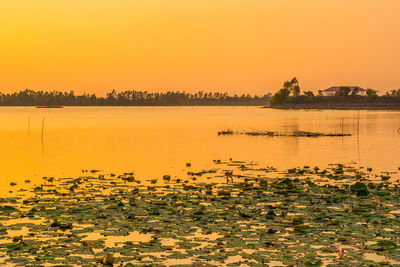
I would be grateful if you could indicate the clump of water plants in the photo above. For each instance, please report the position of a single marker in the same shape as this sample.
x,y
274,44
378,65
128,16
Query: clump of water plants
x,y
360,189
62,225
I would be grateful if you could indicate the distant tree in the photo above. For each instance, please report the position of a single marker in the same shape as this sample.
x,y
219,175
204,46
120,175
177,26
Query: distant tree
x,y
371,93
111,97
280,96
345,90
394,93
292,86
309,93
355,91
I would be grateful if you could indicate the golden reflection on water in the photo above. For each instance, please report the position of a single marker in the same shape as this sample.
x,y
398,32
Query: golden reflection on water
x,y
152,141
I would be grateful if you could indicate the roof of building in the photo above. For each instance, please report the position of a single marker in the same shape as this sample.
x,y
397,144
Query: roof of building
x,y
337,88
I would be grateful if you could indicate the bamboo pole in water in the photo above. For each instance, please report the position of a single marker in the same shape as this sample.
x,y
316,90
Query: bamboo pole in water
x,y
42,128
342,129
342,126
358,124
358,136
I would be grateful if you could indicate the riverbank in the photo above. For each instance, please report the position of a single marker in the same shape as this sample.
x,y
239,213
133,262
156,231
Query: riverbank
x,y
233,214
337,106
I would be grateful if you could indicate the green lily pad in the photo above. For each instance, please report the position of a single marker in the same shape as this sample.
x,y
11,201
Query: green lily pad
x,y
360,189
311,264
303,229
383,245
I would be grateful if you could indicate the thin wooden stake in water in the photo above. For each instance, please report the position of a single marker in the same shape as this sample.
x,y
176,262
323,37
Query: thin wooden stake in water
x,y
43,139
42,128
358,124
342,129
342,126
358,138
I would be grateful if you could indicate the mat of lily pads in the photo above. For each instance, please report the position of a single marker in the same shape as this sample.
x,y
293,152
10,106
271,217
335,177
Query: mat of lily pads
x,y
234,214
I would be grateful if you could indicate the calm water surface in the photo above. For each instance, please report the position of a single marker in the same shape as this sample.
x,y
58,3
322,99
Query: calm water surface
x,y
152,141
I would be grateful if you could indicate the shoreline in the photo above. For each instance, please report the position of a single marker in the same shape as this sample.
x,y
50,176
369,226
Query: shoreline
x,y
335,107
62,106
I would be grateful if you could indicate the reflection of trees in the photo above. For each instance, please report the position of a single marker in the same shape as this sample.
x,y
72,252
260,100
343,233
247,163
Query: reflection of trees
x,y
128,98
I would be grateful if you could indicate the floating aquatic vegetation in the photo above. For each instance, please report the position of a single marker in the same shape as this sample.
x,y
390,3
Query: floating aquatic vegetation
x,y
62,225
301,217
360,189
313,264
302,229
383,245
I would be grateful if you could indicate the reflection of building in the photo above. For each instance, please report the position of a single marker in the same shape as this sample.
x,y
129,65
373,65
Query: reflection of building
x,y
338,90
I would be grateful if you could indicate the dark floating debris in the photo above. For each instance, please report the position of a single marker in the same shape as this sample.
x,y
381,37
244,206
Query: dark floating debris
x,y
290,134
227,132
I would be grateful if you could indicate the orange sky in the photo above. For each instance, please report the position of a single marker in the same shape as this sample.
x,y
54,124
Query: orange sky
x,y
248,46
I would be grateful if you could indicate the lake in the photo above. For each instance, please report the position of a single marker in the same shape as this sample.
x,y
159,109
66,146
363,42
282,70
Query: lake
x,y
153,141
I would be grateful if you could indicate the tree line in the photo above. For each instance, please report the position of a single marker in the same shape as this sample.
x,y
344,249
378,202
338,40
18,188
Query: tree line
x,y
130,98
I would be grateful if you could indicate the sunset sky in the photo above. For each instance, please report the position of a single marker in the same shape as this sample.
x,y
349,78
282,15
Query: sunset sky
x,y
246,46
